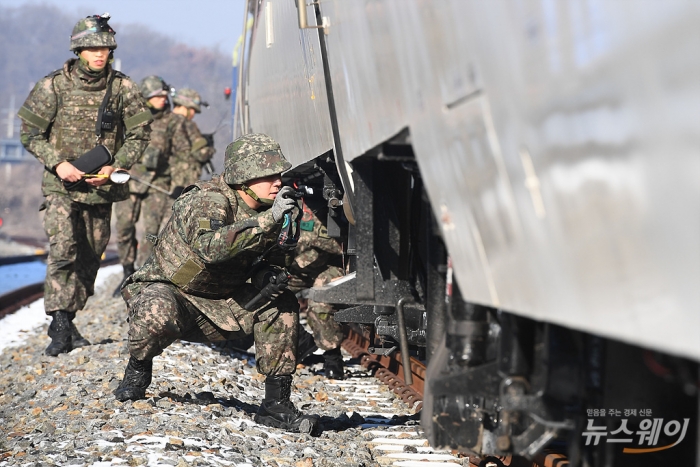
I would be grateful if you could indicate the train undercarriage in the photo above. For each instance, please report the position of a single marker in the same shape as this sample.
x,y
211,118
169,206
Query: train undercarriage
x,y
497,383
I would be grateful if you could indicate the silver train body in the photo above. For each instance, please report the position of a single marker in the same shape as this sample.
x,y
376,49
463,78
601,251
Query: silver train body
x,y
557,145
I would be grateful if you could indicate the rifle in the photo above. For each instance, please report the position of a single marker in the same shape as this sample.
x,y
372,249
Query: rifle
x,y
272,281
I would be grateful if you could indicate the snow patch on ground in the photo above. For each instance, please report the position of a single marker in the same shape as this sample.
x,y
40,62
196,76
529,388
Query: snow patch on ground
x,y
28,320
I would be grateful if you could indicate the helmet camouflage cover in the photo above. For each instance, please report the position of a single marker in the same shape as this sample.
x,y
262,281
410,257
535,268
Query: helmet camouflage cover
x,y
153,86
253,156
93,31
189,98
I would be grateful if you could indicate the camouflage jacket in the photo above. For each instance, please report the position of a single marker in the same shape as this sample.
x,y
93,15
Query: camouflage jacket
x,y
208,246
315,252
58,124
168,140
186,167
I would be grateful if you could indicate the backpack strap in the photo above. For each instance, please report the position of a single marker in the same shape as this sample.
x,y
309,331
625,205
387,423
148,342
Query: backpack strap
x,y
103,106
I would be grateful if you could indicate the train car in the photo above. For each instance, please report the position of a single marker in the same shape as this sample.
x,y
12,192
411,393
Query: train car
x,y
516,183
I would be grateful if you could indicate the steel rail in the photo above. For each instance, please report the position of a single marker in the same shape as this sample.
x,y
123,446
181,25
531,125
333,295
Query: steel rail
x,y
389,369
22,296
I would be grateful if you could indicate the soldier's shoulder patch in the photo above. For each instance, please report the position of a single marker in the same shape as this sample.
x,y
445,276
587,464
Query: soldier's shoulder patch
x,y
210,224
307,225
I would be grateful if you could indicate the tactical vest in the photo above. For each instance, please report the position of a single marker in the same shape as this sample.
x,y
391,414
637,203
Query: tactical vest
x,y
188,170
168,127
175,259
73,131
154,166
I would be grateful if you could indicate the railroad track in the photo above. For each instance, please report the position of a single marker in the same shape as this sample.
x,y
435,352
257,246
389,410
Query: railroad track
x,y
390,430
408,448
15,299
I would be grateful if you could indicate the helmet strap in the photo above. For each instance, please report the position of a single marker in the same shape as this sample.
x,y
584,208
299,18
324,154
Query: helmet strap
x,y
265,201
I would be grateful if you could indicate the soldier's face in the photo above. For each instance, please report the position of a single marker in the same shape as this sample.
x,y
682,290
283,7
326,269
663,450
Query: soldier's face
x,y
266,187
96,57
158,102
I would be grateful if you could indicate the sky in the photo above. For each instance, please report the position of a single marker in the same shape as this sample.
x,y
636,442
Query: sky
x,y
198,23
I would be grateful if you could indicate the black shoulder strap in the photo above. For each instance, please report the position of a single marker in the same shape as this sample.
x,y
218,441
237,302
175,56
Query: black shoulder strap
x,y
103,106
54,73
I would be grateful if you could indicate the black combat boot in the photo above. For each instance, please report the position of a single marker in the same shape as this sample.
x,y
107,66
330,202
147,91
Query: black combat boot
x,y
76,338
333,364
305,345
137,377
60,333
128,270
277,411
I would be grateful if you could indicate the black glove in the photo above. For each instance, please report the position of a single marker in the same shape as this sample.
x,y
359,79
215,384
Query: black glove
x,y
284,202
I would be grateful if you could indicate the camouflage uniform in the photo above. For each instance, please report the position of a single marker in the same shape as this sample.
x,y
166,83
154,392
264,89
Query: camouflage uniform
x,y
187,166
168,138
317,261
200,278
58,124
197,275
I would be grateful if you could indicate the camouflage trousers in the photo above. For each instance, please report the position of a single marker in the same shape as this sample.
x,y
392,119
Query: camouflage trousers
x,y
328,333
127,213
160,314
78,235
156,207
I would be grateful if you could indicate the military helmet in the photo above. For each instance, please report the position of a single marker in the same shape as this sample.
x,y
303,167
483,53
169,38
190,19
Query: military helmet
x,y
93,31
189,98
253,156
153,86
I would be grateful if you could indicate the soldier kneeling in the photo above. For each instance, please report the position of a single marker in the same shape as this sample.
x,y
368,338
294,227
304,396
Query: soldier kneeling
x,y
195,286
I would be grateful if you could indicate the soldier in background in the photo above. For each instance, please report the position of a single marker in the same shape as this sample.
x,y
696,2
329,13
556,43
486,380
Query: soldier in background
x,y
59,124
187,168
318,260
195,284
168,140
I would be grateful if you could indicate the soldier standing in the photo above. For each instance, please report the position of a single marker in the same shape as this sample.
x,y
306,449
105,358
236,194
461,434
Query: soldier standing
x,y
319,260
168,139
61,120
195,284
187,168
